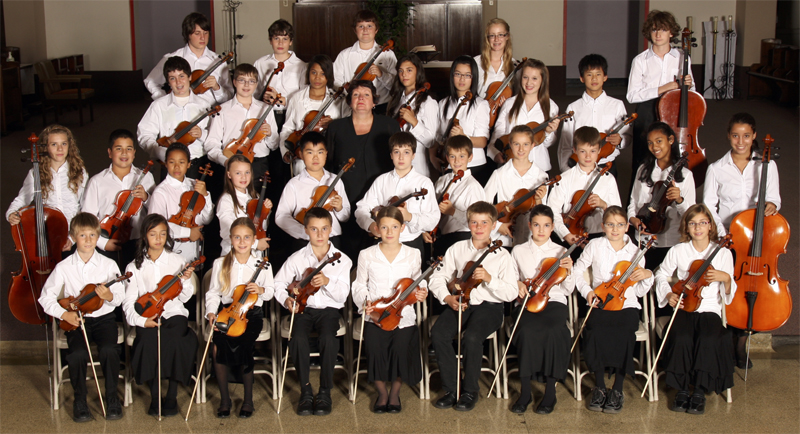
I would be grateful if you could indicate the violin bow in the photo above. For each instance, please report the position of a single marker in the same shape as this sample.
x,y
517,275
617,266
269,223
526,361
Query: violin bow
x,y
360,342
664,341
199,374
91,362
286,358
508,345
158,326
458,358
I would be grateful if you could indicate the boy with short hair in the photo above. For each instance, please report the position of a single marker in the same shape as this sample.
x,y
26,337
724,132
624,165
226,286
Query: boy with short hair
x,y
595,109
290,79
72,274
481,316
321,313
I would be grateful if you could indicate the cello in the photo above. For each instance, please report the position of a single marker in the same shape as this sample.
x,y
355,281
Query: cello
x,y
323,192
192,203
550,274
40,236
232,320
117,225
310,122
653,214
181,133
87,301
502,144
362,71
200,75
575,218
387,311
611,294
498,92
762,301
606,148
170,286
251,134
425,87
684,110
258,211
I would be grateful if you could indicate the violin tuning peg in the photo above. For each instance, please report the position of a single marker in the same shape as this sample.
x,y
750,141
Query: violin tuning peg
x,y
775,156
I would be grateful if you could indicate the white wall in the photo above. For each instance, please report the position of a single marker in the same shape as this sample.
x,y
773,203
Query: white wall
x,y
757,23
24,21
537,28
253,19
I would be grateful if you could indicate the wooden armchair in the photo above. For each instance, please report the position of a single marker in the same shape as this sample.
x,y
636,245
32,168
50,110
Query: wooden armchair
x,y
56,96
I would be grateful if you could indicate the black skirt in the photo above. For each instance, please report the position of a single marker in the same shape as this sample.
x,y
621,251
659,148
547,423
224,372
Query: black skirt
x,y
238,351
542,340
610,339
178,351
699,352
393,354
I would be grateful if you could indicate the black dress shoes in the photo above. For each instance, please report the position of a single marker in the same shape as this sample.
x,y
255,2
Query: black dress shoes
x,y
394,409
246,411
80,411
697,404
113,408
545,409
521,406
447,401
323,403
467,401
379,409
306,405
681,403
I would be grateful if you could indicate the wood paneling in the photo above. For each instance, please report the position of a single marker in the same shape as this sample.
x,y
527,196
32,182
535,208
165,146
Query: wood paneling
x,y
464,28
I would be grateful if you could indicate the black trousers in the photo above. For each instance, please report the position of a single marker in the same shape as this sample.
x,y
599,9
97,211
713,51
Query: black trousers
x,y
103,332
325,322
478,322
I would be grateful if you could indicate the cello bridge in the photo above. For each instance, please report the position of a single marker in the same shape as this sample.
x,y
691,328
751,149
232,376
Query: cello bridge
x,y
752,273
43,272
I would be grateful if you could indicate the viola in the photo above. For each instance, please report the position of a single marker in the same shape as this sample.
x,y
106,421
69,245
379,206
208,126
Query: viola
x,y
692,286
498,92
388,311
258,211
762,301
550,274
310,123
607,148
87,301
439,152
575,218
684,111
463,285
398,201
192,203
523,201
362,72
232,320
446,196
612,293
168,288
117,225
40,235
323,193
200,75
274,72
181,133
301,289
425,87
502,144
251,134
653,215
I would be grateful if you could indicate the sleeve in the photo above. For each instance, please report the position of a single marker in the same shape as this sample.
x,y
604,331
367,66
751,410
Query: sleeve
x,y
642,287
272,141
504,284
90,204
687,191
148,131
225,212
266,281
481,127
556,200
338,288
427,124
213,143
207,214
131,295
214,295
437,284
364,206
773,185
388,62
284,215
223,77
344,214
24,197
158,205
360,290
51,289
469,196
612,190
693,88
664,273
501,127
711,199
290,125
637,90
633,205
339,69
565,142
581,265
283,279
550,138
155,80
428,216
726,265
491,189
188,286
626,133
117,289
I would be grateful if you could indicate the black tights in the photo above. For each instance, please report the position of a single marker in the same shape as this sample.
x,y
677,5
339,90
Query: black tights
x,y
619,379
172,392
391,397
221,372
549,391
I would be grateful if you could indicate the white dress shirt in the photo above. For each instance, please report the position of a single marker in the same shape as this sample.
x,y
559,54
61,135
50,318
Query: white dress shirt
x,y
680,257
491,75
602,258
240,274
424,132
574,179
346,63
424,209
503,126
227,213
641,194
161,120
377,276
528,259
298,194
649,72
503,286
100,197
72,275
60,196
227,126
463,193
727,191
155,80
147,278
504,182
166,200
604,113
332,295
286,82
473,119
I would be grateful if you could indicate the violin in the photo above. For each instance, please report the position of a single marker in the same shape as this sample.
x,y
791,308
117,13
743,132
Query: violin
x,y
398,202
684,111
692,286
87,301
310,123
446,196
425,87
550,274
362,72
274,72
575,218
301,289
439,152
388,311
232,320
192,203
498,92
258,211
199,75
762,301
323,193
462,286
653,215
168,288
181,133
523,201
251,134
502,144
40,236
117,225
612,293
607,148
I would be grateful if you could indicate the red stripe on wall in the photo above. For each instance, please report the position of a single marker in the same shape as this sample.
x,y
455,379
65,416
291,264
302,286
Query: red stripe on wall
x,y
564,42
646,11
213,30
133,37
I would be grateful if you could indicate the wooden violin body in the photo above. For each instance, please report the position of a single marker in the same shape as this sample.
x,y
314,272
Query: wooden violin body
x,y
612,293
323,192
541,287
301,289
251,134
169,287
462,286
86,302
310,123
575,218
654,213
607,148
117,225
232,320
523,201
539,133
181,134
692,286
425,87
499,91
257,209
199,75
398,201
388,311
192,203
362,71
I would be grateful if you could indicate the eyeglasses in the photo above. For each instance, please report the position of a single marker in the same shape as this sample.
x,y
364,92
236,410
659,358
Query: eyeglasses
x,y
497,36
615,225
245,81
703,223
458,75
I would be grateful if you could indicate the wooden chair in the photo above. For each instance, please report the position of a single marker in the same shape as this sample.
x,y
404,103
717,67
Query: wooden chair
x,y
56,96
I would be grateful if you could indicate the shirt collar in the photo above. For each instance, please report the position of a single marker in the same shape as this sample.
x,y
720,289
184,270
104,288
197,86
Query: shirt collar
x,y
358,49
93,261
173,182
188,51
589,100
672,52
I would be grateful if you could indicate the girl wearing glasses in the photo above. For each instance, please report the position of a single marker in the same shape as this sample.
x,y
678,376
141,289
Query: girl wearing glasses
x,y
698,353
495,62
